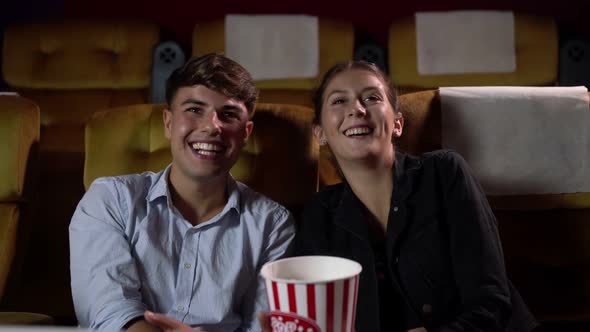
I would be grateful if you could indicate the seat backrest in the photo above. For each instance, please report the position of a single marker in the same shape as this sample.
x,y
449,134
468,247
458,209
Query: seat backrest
x,y
72,68
422,133
536,53
279,160
336,44
19,133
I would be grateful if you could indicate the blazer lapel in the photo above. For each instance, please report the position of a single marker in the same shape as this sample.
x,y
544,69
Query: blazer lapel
x,y
403,181
349,214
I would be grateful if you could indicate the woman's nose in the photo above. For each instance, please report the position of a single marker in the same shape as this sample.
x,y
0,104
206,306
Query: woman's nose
x,y
358,110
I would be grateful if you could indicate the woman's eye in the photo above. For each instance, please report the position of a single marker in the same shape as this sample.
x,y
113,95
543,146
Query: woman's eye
x,y
338,101
372,98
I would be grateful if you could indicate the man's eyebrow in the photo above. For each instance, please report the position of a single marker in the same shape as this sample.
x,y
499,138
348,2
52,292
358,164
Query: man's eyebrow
x,y
230,107
194,102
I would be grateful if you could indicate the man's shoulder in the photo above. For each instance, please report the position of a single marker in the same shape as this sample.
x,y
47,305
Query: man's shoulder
x,y
128,180
138,184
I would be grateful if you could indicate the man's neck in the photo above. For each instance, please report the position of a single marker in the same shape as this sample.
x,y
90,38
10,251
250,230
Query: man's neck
x,y
198,200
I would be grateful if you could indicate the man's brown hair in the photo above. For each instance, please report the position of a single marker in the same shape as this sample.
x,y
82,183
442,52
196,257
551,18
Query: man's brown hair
x,y
218,73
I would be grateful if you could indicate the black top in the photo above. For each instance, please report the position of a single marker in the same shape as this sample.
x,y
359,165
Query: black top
x,y
441,259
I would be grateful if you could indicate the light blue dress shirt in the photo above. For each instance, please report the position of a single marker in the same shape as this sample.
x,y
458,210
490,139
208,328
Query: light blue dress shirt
x,y
131,250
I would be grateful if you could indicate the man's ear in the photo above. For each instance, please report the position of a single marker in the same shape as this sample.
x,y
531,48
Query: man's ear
x,y
398,126
248,131
167,117
318,132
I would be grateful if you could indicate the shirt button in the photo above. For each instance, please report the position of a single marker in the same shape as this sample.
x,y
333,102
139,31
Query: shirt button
x,y
187,266
427,308
180,308
395,208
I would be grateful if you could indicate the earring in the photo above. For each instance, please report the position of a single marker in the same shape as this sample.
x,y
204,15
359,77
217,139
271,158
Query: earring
x,y
323,142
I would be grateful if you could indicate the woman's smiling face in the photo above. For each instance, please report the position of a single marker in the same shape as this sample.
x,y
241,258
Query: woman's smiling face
x,y
357,119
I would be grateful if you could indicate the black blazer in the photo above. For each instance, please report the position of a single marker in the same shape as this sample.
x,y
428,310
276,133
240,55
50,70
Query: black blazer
x,y
442,246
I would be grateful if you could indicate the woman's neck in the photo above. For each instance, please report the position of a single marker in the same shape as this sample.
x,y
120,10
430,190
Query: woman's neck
x,y
373,185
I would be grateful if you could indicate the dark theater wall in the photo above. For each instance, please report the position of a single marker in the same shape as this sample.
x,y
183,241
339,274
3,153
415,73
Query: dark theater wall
x,y
370,17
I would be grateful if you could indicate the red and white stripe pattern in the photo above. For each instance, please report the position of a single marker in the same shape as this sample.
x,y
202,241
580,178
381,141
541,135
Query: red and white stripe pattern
x,y
331,305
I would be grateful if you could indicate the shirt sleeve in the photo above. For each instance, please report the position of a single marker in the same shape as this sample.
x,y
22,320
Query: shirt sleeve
x,y
105,281
477,258
278,245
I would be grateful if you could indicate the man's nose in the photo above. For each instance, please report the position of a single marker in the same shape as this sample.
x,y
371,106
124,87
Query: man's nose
x,y
212,124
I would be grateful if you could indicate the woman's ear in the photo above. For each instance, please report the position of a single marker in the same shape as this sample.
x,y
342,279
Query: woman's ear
x,y
318,132
398,125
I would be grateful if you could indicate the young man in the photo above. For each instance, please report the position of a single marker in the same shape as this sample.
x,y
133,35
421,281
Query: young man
x,y
188,241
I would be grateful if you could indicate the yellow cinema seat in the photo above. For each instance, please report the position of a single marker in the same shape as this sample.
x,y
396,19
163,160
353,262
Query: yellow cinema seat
x,y
336,44
536,51
279,160
71,69
19,134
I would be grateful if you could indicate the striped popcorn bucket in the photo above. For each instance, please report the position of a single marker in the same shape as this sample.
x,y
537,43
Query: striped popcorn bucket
x,y
312,293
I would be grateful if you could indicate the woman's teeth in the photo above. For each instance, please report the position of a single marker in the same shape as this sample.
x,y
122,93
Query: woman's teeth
x,y
357,131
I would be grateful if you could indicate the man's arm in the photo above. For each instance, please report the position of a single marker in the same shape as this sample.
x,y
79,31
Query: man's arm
x,y
278,245
105,281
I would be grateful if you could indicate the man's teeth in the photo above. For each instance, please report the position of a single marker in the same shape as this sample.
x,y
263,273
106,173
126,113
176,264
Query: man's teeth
x,y
206,153
357,131
207,148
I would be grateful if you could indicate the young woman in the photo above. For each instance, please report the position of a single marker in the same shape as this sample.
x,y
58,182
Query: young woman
x,y
421,227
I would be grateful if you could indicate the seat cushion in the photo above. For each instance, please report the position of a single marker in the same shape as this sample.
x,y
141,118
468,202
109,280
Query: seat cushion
x,y
9,214
24,318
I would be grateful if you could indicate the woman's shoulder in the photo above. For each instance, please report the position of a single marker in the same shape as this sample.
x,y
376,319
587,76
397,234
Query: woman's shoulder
x,y
327,197
444,158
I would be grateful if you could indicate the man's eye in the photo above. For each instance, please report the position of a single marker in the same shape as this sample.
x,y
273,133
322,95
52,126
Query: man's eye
x,y
193,110
229,115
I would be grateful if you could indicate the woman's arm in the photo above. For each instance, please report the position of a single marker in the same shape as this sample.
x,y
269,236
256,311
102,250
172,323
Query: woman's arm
x,y
476,252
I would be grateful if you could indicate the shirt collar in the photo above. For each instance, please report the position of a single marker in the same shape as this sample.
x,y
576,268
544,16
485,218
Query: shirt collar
x,y
233,200
161,188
